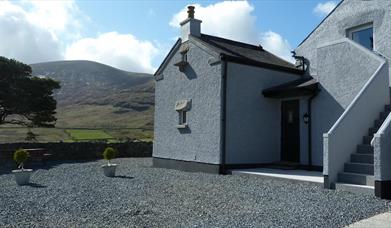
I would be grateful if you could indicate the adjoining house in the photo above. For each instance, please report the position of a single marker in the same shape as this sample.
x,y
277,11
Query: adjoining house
x,y
223,104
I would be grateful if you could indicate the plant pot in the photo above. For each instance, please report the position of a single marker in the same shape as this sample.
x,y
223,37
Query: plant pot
x,y
109,170
22,177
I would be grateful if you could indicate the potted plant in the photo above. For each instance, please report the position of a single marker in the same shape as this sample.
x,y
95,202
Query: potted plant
x,y
109,168
22,175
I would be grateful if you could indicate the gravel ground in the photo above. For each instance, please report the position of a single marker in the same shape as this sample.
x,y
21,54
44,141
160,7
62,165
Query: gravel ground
x,y
78,195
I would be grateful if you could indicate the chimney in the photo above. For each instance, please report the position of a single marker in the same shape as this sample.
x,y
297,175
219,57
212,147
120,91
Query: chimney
x,y
190,26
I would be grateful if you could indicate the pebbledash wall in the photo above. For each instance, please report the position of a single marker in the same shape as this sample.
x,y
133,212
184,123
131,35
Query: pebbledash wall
x,y
254,121
340,75
79,151
200,82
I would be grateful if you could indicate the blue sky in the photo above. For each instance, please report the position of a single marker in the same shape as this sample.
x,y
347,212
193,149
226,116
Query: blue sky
x,y
136,35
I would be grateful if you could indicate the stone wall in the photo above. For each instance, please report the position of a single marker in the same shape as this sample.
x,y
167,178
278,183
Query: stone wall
x,y
79,151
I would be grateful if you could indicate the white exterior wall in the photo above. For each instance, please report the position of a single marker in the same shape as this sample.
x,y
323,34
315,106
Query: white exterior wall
x,y
201,83
254,121
339,83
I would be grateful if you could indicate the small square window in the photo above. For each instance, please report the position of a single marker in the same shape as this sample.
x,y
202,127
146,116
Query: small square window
x,y
182,107
362,35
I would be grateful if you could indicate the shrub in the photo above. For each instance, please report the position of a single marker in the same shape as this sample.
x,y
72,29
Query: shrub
x,y
20,156
109,154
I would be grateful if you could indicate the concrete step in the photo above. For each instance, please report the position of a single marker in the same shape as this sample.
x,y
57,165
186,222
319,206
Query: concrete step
x,y
355,188
367,140
373,130
361,158
362,168
355,178
378,123
364,149
384,114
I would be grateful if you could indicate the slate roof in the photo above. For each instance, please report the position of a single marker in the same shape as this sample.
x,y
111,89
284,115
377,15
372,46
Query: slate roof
x,y
245,51
299,87
239,52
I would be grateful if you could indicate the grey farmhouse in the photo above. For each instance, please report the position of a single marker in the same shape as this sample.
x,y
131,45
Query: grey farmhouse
x,y
223,104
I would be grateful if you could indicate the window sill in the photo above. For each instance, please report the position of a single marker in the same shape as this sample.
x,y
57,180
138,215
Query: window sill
x,y
182,126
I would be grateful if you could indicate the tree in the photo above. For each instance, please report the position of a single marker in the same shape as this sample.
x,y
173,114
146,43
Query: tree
x,y
24,99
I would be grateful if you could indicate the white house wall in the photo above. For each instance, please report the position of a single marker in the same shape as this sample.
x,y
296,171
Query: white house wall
x,y
350,14
201,83
253,121
342,78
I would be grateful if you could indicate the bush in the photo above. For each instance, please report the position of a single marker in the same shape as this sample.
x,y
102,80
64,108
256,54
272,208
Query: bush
x,y
20,156
109,153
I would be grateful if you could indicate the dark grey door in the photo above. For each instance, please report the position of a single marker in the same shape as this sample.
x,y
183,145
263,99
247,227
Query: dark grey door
x,y
290,131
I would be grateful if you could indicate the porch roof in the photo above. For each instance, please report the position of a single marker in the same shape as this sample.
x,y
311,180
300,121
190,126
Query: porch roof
x,y
300,87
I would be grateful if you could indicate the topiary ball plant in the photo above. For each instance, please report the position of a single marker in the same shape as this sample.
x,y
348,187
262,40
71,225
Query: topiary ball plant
x,y
109,154
20,156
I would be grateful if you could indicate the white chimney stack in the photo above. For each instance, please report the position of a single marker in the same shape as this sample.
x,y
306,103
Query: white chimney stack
x,y
190,26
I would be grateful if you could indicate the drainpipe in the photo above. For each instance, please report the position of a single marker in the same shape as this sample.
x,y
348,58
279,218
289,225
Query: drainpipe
x,y
223,113
310,129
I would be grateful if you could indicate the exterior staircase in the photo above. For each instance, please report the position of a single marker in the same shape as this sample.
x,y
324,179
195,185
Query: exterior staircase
x,y
358,174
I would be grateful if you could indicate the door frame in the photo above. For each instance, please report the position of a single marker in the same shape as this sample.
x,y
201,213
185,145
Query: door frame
x,y
282,130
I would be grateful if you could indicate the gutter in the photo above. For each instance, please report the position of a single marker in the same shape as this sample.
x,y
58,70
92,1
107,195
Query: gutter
x,y
251,62
223,114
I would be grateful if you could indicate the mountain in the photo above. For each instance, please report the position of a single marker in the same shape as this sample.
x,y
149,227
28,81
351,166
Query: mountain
x,y
99,96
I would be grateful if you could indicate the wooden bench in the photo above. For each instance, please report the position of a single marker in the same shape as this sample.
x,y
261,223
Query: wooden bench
x,y
35,155
38,155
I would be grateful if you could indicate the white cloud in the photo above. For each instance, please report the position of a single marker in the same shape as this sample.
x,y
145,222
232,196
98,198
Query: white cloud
x,y
123,51
229,19
22,39
30,31
276,44
234,20
39,31
55,16
323,9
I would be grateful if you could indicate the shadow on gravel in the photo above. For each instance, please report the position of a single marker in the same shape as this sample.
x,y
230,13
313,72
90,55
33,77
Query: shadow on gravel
x,y
35,185
123,177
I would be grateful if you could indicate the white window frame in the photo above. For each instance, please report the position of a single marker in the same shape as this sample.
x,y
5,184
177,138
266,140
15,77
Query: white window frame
x,y
182,107
350,32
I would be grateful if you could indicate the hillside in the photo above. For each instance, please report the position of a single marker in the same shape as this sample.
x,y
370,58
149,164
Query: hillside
x,y
95,96
87,82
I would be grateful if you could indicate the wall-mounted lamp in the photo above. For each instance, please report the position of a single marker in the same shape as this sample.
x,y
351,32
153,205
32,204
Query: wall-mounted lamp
x,y
306,118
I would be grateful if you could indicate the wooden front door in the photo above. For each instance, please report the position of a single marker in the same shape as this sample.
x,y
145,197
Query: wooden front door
x,y
290,131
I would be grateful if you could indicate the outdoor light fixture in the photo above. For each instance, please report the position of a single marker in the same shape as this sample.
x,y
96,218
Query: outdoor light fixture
x,y
306,118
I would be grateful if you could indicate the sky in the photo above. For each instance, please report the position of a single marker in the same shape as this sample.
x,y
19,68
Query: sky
x,y
136,35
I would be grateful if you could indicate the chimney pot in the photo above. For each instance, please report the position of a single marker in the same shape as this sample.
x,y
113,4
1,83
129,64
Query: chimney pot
x,y
190,26
190,12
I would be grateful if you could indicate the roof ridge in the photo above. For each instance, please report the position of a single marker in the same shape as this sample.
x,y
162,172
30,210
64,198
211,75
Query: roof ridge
x,y
252,46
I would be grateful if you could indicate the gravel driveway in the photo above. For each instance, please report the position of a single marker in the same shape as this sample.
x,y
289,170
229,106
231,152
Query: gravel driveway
x,y
77,194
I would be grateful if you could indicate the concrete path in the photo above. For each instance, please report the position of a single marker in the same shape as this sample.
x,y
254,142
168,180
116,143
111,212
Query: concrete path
x,y
377,221
294,174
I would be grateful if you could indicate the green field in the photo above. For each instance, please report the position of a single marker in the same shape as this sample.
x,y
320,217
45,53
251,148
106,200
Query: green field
x,y
18,134
89,135
88,123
